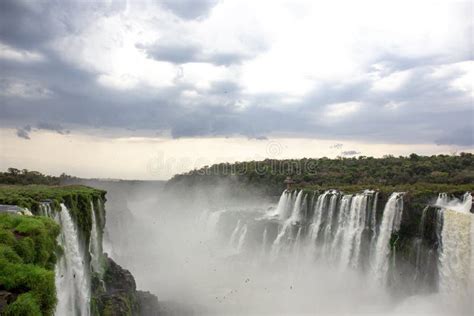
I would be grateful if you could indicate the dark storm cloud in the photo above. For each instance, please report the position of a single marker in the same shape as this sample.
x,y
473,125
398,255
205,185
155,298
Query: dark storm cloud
x,y
24,132
181,53
425,109
189,9
30,24
55,127
458,136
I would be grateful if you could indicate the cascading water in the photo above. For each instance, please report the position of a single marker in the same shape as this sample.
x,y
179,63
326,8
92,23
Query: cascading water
x,y
45,210
318,216
455,274
94,246
348,235
243,235
283,204
72,278
419,242
264,241
286,233
341,225
211,220
457,255
353,220
233,237
391,220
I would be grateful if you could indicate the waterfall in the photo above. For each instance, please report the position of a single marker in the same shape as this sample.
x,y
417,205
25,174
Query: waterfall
x,y
360,223
297,243
373,226
442,199
45,209
283,205
286,231
346,232
233,237
296,213
456,260
463,205
211,221
243,234
328,227
94,245
264,241
341,224
71,273
391,220
318,216
419,242
352,231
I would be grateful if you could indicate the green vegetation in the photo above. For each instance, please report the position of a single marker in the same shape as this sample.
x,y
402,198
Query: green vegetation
x,y
28,246
77,198
28,250
361,172
24,176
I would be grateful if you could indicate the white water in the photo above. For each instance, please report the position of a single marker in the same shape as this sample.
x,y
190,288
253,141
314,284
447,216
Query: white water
x,y
243,235
296,215
284,235
460,205
233,237
249,282
45,210
317,217
391,220
211,221
456,273
94,245
264,242
283,205
342,222
71,273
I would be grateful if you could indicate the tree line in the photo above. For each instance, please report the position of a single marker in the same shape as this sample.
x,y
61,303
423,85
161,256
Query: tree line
x,y
362,170
25,176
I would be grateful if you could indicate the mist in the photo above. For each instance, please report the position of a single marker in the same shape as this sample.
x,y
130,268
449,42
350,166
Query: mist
x,y
191,249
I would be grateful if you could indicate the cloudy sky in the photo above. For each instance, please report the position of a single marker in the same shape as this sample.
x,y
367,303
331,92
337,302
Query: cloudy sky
x,y
106,89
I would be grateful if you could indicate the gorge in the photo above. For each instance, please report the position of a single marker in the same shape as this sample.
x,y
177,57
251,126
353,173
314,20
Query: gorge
x,y
212,250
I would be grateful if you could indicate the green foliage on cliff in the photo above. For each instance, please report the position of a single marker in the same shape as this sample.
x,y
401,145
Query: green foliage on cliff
x,y
28,250
28,244
77,198
361,171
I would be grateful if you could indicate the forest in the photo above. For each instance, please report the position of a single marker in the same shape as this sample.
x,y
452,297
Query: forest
x,y
324,172
25,176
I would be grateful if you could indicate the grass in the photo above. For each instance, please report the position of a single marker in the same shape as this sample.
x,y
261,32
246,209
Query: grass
x,y
28,246
77,198
28,250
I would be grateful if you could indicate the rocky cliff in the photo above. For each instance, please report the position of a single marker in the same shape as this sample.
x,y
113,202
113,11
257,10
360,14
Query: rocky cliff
x,y
34,254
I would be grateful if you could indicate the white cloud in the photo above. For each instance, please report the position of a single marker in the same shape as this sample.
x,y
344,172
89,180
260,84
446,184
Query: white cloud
x,y
461,75
392,82
290,48
342,110
24,56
